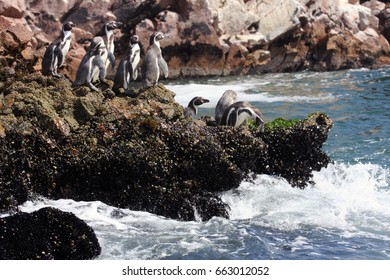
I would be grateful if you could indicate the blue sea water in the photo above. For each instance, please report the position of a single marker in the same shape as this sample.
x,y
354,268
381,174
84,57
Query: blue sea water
x,y
344,214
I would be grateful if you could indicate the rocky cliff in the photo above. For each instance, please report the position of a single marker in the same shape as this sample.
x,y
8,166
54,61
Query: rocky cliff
x,y
209,37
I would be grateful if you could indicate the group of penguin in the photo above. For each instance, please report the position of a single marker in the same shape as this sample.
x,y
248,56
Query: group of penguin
x,y
228,111
100,55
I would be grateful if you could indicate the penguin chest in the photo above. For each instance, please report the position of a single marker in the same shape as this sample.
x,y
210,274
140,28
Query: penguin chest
x,y
110,43
66,46
135,58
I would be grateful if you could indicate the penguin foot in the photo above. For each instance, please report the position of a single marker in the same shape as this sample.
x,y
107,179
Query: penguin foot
x,y
57,75
92,87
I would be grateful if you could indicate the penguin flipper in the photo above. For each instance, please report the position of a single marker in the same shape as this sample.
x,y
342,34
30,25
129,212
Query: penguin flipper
x,y
232,119
111,58
163,66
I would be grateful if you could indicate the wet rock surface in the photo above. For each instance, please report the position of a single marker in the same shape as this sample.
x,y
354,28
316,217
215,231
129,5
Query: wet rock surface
x,y
46,234
138,152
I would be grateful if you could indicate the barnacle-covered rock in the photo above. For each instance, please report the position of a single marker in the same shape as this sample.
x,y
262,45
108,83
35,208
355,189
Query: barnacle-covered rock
x,y
138,151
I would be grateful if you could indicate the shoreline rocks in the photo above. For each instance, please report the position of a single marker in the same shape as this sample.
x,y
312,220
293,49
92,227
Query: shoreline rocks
x,y
46,234
207,37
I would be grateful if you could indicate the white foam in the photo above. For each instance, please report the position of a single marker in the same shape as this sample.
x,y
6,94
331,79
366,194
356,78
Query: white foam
x,y
184,94
352,198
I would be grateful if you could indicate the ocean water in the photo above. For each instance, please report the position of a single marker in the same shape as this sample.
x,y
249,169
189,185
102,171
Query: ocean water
x,y
344,214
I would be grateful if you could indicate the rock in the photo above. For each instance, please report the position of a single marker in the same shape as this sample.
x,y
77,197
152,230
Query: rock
x,y
12,9
138,152
19,35
207,38
375,6
46,234
288,151
384,22
235,59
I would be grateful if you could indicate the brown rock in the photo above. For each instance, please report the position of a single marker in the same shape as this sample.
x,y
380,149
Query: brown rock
x,y
235,59
12,8
73,59
21,32
28,53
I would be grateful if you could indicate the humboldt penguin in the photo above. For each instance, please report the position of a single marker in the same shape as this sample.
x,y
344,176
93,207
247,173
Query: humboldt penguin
x,y
107,33
56,52
127,69
153,61
192,108
227,99
91,61
237,113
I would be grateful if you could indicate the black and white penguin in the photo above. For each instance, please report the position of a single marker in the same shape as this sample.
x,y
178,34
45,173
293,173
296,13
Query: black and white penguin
x,y
192,108
107,33
227,99
127,69
237,113
153,61
56,52
91,61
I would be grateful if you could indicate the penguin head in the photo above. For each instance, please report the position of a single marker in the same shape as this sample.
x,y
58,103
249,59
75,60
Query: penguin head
x,y
97,45
134,40
157,36
111,25
197,101
68,25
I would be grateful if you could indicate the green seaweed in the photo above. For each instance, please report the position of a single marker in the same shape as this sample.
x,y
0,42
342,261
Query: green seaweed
x,y
281,123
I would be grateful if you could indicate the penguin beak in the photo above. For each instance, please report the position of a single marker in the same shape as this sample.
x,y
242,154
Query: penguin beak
x,y
205,100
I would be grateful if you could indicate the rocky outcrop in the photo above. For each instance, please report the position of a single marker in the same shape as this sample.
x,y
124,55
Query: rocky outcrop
x,y
384,21
46,234
139,152
208,37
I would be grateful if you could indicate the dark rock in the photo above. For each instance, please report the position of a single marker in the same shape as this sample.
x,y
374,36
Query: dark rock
x,y
295,150
384,22
46,234
138,152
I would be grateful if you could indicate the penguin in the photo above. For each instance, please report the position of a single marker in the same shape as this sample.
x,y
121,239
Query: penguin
x,y
227,99
107,33
91,61
237,113
127,69
153,61
56,52
192,108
